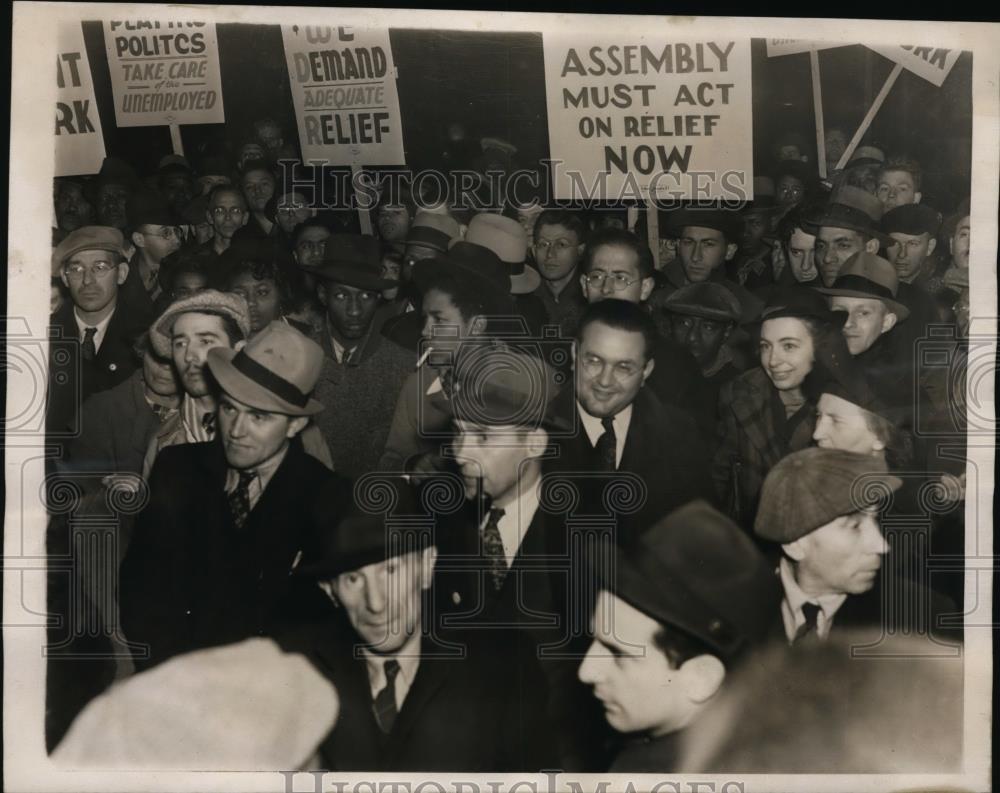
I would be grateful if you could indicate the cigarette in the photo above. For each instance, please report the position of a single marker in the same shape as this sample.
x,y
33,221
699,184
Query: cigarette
x,y
423,358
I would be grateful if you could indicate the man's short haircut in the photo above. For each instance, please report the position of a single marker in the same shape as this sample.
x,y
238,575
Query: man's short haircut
x,y
233,332
562,217
252,166
226,188
623,239
470,298
904,163
621,315
796,219
309,223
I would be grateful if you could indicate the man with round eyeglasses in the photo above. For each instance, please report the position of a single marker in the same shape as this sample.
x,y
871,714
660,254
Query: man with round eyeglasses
x,y
155,230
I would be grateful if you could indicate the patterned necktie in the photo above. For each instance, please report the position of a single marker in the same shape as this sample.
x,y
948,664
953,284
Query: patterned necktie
x,y
239,499
607,445
89,349
808,629
385,700
493,546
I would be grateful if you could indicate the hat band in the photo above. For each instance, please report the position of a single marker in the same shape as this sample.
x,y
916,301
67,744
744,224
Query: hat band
x,y
263,376
858,283
515,268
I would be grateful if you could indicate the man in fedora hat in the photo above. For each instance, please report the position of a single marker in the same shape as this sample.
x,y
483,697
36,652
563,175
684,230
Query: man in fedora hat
x,y
622,426
675,614
226,523
412,698
822,505
463,294
558,242
96,326
362,371
155,231
847,225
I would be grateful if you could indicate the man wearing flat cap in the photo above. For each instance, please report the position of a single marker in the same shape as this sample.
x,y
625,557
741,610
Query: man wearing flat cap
x,y
822,506
226,521
363,372
675,614
412,698
913,229
97,326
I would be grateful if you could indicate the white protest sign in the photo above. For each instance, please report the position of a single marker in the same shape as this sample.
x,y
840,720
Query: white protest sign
x,y
777,47
344,89
79,138
164,73
631,117
931,63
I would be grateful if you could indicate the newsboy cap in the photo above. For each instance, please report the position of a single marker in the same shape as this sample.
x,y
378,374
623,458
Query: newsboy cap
x,y
810,488
87,238
697,571
708,300
912,219
387,517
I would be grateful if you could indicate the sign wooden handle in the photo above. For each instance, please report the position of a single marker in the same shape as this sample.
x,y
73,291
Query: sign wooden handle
x,y
869,116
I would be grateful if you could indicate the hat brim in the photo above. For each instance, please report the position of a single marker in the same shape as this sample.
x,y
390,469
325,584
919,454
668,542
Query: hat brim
x,y
58,258
249,391
333,272
897,308
526,282
427,269
813,225
552,421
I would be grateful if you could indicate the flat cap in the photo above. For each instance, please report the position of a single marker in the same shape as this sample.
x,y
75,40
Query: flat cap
x,y
812,487
912,219
698,571
207,301
87,238
706,299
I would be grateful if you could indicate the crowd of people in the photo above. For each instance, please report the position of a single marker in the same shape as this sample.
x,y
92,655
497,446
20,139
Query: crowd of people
x,y
525,490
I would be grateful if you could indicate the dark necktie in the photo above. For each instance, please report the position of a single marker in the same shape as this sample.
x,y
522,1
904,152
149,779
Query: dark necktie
x,y
385,700
607,445
89,349
239,499
208,423
493,546
808,629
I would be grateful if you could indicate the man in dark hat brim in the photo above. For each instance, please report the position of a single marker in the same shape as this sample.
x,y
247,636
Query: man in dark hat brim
x,y
226,522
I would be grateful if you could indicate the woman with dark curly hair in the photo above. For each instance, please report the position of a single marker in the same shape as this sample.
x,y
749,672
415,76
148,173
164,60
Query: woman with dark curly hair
x,y
260,274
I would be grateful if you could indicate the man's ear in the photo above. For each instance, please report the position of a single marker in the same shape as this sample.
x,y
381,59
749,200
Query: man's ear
x,y
647,370
889,322
538,442
931,245
428,558
731,249
296,425
916,197
872,245
330,590
795,550
703,675
137,239
583,283
647,289
122,272
65,280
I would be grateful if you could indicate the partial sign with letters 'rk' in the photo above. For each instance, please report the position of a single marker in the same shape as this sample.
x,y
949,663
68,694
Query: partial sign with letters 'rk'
x,y
649,115
79,138
344,89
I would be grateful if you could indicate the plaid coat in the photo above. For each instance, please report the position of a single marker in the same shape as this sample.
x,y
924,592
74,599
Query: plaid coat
x,y
749,442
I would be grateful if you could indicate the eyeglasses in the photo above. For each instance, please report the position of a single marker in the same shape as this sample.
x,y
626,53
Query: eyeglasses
x,y
233,212
167,233
621,371
96,269
559,245
619,281
289,211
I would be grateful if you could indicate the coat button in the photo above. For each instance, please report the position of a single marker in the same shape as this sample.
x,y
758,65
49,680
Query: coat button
x,y
456,598
187,613
113,367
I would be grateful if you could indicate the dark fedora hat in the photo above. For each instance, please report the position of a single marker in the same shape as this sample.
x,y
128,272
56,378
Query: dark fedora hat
x,y
698,572
466,261
867,275
853,209
802,302
147,207
353,260
728,222
388,516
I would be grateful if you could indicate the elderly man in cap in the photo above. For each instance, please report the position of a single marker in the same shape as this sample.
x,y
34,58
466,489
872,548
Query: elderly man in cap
x,y
406,702
618,265
363,372
226,523
97,328
822,506
622,426
899,182
558,243
675,614
846,226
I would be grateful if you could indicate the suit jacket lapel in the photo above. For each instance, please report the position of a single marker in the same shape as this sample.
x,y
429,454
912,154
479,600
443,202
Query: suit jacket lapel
x,y
431,676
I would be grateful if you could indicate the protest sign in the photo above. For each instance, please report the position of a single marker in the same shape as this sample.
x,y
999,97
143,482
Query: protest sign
x,y
79,138
164,73
649,116
931,63
778,47
344,89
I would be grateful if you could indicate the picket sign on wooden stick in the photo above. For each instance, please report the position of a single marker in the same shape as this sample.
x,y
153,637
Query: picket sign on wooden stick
x,y
653,230
175,139
364,215
870,115
818,111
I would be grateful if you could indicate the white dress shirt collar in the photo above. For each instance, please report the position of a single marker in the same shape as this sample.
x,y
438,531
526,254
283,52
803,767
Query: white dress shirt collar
x,y
102,328
795,598
595,429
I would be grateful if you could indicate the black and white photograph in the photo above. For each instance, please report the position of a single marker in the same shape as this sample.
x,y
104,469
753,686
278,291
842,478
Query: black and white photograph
x,y
470,401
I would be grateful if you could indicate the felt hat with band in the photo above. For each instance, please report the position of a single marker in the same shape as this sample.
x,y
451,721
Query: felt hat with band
x,y
508,240
867,275
275,372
